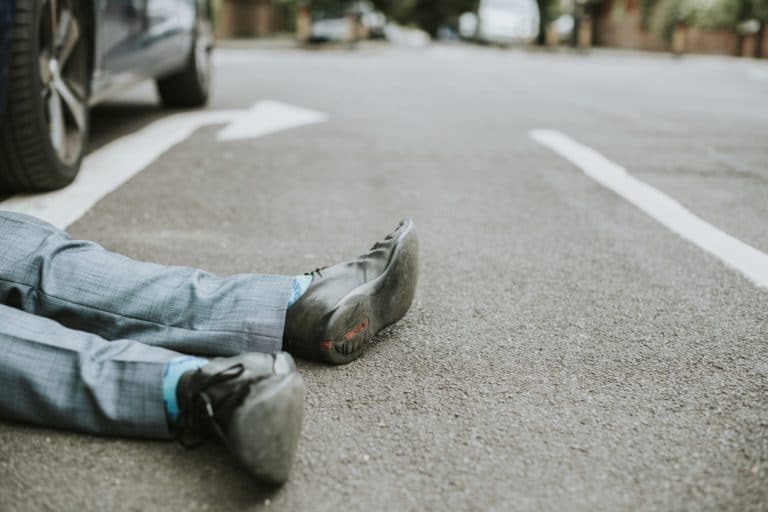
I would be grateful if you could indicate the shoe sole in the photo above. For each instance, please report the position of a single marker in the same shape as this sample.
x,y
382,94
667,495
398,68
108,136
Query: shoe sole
x,y
265,429
367,309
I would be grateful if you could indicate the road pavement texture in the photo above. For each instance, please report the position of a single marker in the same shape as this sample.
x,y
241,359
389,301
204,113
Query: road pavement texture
x,y
564,351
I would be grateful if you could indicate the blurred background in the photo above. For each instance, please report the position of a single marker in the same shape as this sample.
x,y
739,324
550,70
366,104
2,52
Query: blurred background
x,y
726,27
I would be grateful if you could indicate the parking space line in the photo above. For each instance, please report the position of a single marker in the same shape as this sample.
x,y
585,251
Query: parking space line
x,y
104,170
666,210
107,168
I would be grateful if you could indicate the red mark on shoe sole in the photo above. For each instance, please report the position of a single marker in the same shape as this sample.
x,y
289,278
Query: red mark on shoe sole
x,y
356,330
327,346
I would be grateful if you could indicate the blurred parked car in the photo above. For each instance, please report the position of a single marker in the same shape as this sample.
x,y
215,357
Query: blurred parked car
x,y
374,21
332,21
59,57
330,24
563,27
501,22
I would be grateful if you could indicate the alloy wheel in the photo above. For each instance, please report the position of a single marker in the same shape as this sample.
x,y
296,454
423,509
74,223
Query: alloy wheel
x,y
63,86
202,52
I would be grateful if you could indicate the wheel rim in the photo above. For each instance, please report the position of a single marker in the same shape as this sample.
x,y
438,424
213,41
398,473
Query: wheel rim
x,y
63,79
203,46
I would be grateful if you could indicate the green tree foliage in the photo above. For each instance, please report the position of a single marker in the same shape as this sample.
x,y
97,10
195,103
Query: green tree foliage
x,y
329,7
758,9
705,14
646,12
666,14
549,10
712,14
427,14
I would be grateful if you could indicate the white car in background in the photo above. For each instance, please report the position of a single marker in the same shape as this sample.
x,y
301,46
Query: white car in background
x,y
333,24
333,28
501,22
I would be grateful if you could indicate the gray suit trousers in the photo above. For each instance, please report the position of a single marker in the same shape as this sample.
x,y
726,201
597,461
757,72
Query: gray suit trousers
x,y
85,333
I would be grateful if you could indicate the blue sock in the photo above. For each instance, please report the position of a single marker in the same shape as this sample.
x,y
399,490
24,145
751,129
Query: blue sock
x,y
298,287
173,371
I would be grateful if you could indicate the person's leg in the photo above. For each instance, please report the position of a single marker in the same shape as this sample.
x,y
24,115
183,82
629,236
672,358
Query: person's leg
x,y
81,285
57,377
329,315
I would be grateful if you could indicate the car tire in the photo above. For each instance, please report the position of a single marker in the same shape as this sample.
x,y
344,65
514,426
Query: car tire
x,y
190,87
44,131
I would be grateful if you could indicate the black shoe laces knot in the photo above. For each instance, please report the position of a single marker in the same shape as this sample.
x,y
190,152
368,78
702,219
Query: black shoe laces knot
x,y
317,271
199,416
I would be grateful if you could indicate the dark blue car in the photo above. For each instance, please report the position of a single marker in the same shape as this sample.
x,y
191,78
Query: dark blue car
x,y
59,57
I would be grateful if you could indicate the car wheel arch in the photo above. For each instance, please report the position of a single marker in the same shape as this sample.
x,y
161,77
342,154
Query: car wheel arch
x,y
89,10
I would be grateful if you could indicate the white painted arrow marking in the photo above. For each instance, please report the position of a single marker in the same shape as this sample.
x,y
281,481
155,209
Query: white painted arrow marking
x,y
107,168
731,251
268,117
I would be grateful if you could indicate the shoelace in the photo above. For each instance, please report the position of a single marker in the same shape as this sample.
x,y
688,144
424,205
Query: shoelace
x,y
318,271
194,437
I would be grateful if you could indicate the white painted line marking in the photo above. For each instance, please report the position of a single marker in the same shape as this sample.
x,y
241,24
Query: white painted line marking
x,y
109,167
733,252
758,74
268,117
106,169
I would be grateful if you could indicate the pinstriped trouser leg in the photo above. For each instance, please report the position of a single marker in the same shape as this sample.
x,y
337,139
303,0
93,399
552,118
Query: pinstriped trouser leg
x,y
54,376
84,287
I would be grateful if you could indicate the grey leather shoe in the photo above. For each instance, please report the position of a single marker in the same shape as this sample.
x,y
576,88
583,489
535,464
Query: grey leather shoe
x,y
346,304
253,402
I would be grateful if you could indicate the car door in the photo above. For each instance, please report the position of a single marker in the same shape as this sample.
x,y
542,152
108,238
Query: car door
x,y
168,35
120,31
141,39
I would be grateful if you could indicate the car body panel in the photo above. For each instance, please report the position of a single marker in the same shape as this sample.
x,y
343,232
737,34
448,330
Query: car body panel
x,y
502,22
508,21
151,38
330,29
133,40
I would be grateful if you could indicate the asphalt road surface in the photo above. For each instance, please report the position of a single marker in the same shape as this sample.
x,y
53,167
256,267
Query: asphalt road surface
x,y
566,350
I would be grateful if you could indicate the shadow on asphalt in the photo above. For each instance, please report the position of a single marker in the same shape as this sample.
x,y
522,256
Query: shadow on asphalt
x,y
225,481
208,474
110,121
